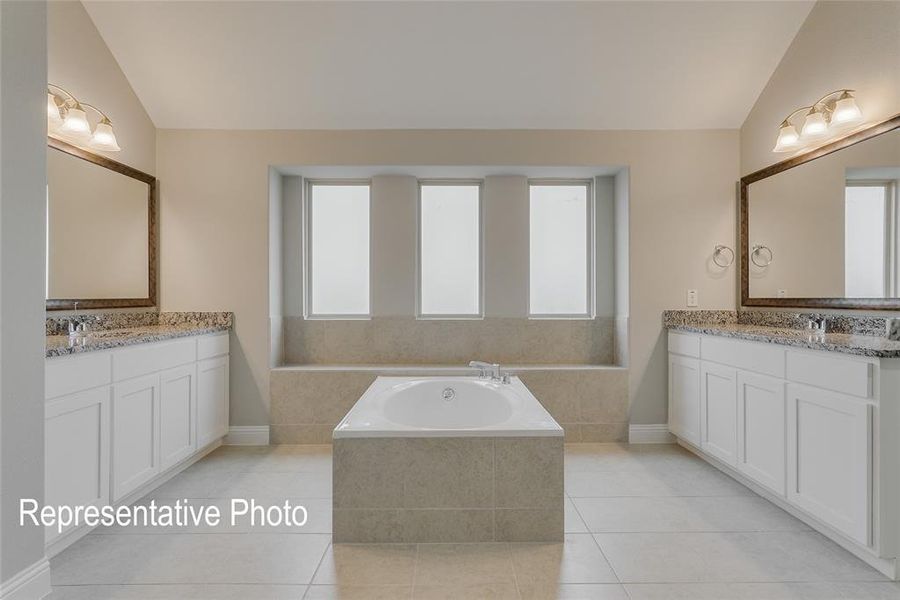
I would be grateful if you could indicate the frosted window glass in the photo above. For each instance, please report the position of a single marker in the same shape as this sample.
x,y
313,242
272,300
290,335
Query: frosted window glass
x,y
558,260
864,242
450,250
339,249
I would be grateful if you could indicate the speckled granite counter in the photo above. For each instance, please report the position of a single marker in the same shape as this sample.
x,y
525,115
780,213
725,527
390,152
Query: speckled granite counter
x,y
847,343
127,329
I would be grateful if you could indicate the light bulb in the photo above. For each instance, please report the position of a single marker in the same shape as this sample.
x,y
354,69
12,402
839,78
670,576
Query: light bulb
x,y
54,114
815,124
76,124
787,138
104,137
846,110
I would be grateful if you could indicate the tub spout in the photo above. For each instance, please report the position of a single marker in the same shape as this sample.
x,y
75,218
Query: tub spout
x,y
485,368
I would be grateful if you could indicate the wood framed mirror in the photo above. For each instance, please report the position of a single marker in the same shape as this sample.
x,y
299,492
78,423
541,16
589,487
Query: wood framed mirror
x,y
101,231
822,229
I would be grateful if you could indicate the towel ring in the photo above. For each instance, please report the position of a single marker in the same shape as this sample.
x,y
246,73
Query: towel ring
x,y
723,256
759,248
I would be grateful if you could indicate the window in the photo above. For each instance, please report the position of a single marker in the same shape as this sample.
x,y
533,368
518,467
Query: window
x,y
450,249
869,260
560,240
337,282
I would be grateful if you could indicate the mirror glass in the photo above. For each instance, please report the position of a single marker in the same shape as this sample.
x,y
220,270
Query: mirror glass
x,y
98,231
829,228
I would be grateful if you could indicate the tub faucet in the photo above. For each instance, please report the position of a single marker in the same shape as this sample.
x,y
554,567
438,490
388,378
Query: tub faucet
x,y
493,369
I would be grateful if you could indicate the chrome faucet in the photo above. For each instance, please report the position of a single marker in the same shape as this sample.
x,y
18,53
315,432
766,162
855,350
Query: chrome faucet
x,y
76,329
818,324
486,369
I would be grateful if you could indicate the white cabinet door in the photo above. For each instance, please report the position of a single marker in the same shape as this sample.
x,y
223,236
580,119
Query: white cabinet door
x,y
829,458
76,451
761,430
212,400
684,398
718,411
177,414
135,433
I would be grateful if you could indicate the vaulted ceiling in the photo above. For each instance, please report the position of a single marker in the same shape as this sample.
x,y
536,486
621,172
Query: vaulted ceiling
x,y
497,65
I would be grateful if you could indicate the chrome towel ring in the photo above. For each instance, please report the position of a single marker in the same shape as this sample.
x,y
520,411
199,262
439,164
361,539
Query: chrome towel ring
x,y
723,256
761,250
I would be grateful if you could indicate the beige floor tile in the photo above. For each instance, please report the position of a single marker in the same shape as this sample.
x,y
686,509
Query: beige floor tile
x,y
479,591
686,480
574,522
178,592
730,557
275,485
358,592
729,513
367,564
190,558
573,591
290,459
736,591
577,560
463,564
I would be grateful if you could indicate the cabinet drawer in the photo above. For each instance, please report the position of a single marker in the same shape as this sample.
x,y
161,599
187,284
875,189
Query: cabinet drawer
x,y
749,356
215,344
684,344
141,360
838,373
70,374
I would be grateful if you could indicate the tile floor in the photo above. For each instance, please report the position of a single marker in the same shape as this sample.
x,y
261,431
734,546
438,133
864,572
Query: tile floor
x,y
642,522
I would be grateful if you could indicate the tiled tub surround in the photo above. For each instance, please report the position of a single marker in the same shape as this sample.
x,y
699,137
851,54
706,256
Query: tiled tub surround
x,y
424,490
113,330
407,341
307,402
843,331
414,465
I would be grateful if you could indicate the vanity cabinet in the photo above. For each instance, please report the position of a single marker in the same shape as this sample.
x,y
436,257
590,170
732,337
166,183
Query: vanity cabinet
x,y
761,430
120,421
684,397
815,431
718,411
829,459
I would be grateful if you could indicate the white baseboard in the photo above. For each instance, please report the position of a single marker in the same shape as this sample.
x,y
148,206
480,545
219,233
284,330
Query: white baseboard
x,y
657,433
247,435
28,584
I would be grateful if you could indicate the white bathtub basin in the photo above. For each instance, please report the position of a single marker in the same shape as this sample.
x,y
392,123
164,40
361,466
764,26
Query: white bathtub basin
x,y
446,407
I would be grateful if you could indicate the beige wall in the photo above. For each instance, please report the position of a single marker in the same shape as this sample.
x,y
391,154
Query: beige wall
x,y
22,219
214,221
79,61
841,45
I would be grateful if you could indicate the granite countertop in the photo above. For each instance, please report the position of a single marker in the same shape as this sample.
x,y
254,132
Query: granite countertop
x,y
167,326
847,343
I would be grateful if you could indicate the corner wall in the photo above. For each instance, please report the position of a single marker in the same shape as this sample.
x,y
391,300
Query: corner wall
x,y
214,197
23,177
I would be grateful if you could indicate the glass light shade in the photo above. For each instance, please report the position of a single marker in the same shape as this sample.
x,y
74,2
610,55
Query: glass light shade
x,y
846,110
54,114
815,124
788,138
104,137
76,123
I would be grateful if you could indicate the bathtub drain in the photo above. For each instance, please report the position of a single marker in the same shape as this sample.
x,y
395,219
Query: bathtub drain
x,y
448,394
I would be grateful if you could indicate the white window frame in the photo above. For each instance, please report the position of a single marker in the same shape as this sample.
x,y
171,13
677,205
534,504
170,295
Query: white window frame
x,y
450,317
591,249
892,228
307,249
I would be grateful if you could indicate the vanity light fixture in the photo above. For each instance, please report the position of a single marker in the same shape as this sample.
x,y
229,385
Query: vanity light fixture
x,y
832,111
67,120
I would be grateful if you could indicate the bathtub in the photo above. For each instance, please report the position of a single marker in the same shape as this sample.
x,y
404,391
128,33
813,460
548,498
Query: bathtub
x,y
447,407
447,459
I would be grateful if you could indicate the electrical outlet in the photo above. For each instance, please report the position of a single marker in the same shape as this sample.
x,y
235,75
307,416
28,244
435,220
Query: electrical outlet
x,y
692,298
782,293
